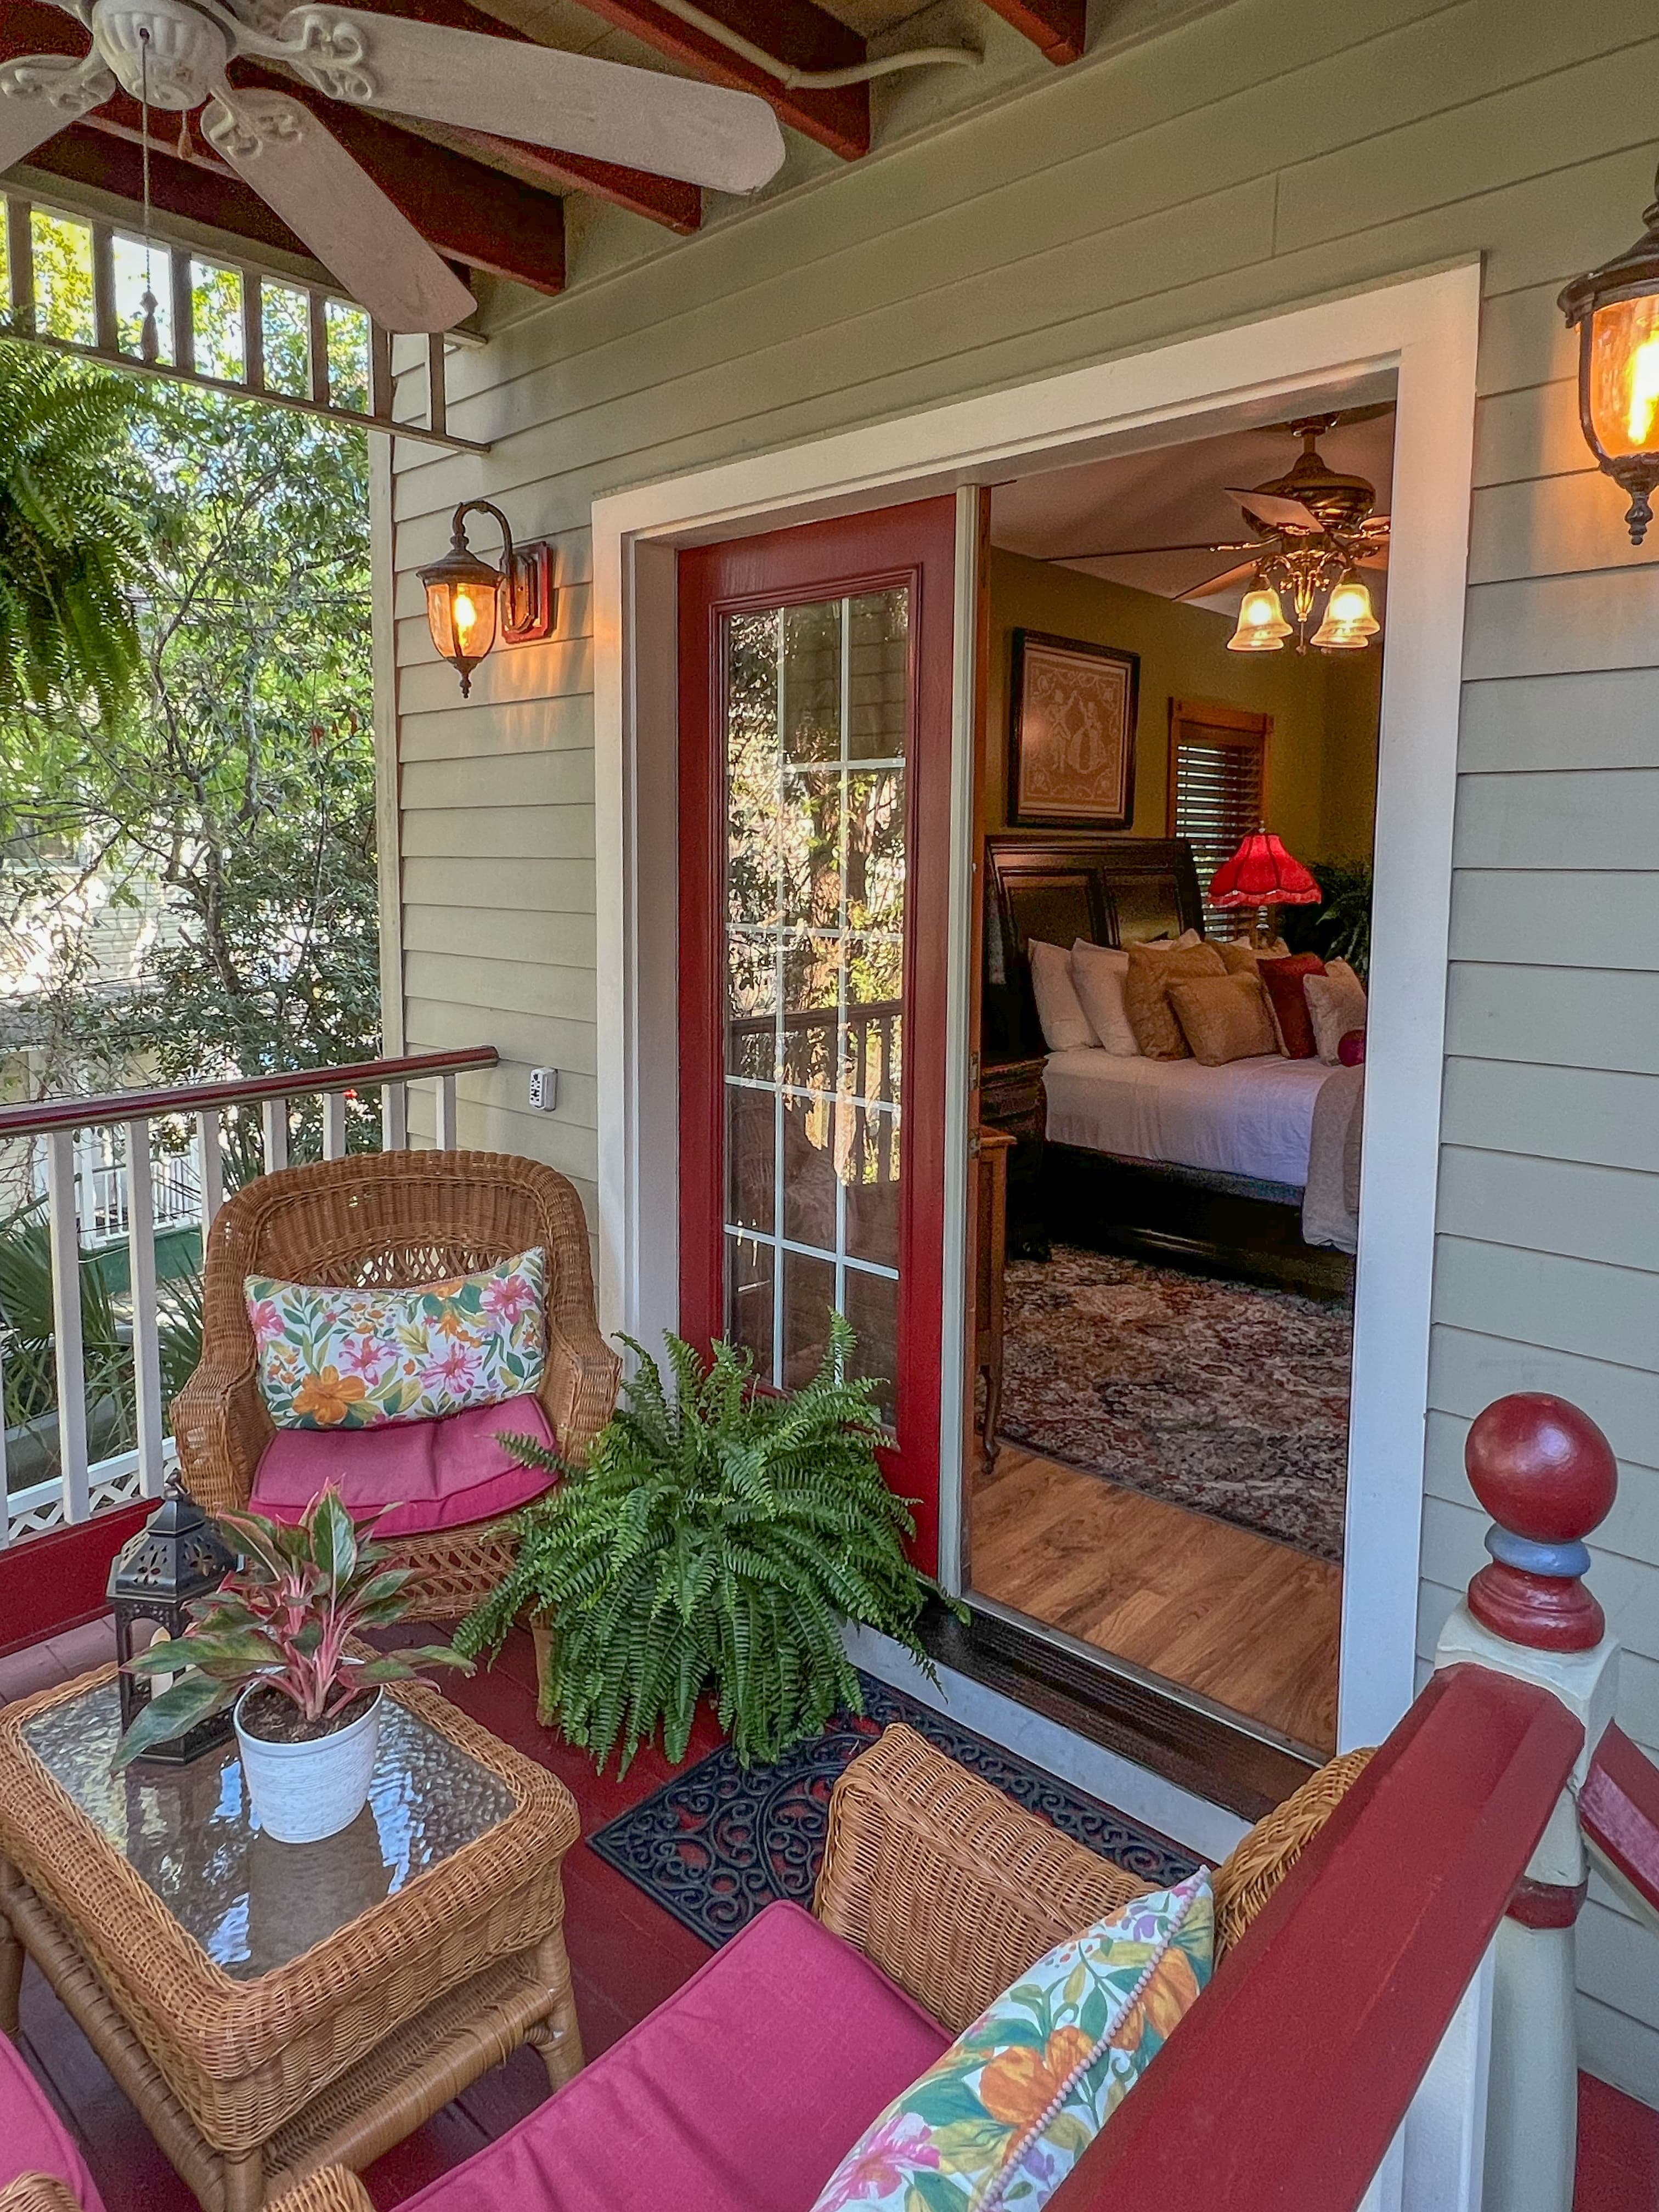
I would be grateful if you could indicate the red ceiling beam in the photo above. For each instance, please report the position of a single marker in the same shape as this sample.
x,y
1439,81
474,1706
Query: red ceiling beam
x,y
800,34
1058,28
676,206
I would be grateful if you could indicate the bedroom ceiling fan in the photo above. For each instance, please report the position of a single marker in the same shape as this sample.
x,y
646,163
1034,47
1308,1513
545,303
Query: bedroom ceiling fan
x,y
173,54
1315,528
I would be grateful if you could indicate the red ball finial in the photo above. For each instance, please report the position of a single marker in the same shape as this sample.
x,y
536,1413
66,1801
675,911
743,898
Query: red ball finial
x,y
1541,1467
1548,1476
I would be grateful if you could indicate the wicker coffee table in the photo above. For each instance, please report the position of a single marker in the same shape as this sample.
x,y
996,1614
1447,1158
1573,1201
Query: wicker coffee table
x,y
271,2008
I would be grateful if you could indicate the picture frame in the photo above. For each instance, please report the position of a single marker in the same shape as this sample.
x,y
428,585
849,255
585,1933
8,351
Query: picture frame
x,y
1073,708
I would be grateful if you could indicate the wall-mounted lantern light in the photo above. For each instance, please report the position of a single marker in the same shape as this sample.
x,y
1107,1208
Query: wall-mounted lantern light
x,y
469,603
1615,311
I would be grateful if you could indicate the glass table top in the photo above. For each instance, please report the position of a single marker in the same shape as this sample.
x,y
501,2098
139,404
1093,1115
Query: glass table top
x,y
253,1904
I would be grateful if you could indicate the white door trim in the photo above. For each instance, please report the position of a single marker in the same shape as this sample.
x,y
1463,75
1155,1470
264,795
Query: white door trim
x,y
1423,330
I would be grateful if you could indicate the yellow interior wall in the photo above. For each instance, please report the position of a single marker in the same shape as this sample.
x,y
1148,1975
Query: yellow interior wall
x,y
1322,756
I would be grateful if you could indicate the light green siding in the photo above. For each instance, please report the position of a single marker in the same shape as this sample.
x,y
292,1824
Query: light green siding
x,y
1268,153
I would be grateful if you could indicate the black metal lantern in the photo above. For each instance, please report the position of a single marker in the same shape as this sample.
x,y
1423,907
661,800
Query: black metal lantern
x,y
467,600
177,1556
1615,311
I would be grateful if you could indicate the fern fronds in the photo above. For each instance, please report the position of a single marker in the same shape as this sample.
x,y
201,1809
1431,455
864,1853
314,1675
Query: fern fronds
x,y
717,1541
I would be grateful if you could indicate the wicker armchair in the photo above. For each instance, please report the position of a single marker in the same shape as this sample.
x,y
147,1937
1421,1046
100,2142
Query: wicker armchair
x,y
953,1890
391,1219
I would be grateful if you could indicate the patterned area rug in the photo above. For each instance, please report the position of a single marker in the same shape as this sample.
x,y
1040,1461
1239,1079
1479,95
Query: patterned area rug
x,y
719,1843
1218,1396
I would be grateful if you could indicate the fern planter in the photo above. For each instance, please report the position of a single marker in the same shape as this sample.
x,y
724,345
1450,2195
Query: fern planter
x,y
715,1543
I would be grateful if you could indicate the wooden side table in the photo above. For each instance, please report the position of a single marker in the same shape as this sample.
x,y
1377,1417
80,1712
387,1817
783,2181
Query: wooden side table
x,y
271,2008
1011,1097
995,1147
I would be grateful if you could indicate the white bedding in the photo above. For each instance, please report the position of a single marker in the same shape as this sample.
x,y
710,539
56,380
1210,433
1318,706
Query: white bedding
x,y
1252,1117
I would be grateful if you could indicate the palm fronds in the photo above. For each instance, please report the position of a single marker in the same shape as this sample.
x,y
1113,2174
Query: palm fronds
x,y
718,1537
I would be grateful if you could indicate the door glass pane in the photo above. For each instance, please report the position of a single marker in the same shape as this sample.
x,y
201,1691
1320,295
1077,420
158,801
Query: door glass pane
x,y
815,740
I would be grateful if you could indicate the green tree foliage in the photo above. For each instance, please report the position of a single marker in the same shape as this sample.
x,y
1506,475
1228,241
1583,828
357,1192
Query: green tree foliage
x,y
238,791
716,1540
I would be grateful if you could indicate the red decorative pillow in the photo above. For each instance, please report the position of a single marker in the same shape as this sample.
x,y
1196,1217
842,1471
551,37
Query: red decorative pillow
x,y
1350,1052
1283,980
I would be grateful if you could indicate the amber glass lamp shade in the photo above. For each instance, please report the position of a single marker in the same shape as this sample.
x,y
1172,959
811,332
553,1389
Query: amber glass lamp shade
x,y
1349,625
1615,310
463,600
1261,624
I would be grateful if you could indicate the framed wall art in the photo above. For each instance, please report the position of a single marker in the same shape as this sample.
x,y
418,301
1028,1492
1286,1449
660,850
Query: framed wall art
x,y
1071,734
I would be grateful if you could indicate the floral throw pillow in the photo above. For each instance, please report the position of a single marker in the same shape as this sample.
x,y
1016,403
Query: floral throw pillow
x,y
1003,2116
353,1358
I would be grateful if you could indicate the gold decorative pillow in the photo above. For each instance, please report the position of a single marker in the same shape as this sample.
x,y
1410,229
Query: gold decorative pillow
x,y
1147,994
1237,957
1224,1018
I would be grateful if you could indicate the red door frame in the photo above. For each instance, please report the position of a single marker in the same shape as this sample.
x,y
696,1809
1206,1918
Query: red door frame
x,y
913,545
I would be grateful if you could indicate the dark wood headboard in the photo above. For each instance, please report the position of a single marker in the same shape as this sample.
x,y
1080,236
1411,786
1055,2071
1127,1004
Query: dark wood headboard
x,y
1059,887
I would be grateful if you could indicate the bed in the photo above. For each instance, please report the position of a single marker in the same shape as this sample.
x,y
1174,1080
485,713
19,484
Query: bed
x,y
1208,1164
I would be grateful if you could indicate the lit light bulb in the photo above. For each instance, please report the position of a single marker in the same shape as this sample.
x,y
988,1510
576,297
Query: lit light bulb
x,y
1261,624
1349,625
466,617
1644,392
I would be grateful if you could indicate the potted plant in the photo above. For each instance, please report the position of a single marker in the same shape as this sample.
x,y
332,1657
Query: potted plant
x,y
273,1640
717,1538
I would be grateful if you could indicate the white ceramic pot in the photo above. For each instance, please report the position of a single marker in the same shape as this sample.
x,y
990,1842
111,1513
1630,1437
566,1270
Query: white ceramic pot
x,y
305,1791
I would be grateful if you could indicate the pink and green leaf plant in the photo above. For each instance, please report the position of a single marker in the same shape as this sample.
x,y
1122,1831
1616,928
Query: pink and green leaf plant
x,y
286,1619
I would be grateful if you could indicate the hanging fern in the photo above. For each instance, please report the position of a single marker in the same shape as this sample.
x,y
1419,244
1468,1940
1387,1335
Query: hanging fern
x,y
718,1537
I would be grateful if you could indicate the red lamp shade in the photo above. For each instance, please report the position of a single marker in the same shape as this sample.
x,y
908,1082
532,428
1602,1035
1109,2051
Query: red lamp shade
x,y
1262,873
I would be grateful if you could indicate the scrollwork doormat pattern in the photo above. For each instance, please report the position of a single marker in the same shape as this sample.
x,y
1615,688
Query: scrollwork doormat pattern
x,y
719,1843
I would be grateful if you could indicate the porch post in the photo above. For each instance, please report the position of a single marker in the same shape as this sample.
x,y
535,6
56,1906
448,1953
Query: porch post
x,y
1546,1475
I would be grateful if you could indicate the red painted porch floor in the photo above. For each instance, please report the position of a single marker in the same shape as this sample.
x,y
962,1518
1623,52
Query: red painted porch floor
x,y
626,1955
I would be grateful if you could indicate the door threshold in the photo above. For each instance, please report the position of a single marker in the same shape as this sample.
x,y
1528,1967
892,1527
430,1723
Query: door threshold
x,y
1190,1742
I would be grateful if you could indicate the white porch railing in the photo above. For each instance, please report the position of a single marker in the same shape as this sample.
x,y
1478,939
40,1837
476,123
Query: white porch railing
x,y
103,1178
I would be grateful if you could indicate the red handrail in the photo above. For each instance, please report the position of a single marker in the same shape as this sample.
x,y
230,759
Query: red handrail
x,y
137,1105
1284,2086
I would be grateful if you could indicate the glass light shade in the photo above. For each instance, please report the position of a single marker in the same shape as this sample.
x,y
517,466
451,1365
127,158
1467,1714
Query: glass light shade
x,y
1622,378
461,613
1349,625
1261,624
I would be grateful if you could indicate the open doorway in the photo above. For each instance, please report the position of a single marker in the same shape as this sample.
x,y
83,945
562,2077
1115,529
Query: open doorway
x,y
1171,1048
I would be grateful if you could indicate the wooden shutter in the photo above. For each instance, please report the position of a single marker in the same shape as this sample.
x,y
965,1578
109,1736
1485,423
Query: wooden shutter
x,y
1217,791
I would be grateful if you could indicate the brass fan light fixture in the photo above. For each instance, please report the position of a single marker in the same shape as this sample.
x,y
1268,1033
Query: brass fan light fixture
x,y
1315,529
1615,311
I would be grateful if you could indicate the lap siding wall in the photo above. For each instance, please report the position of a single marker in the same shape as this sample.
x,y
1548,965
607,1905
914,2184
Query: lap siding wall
x,y
1273,152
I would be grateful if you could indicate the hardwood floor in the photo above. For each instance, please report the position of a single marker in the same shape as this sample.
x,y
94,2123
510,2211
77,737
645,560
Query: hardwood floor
x,y
1246,1621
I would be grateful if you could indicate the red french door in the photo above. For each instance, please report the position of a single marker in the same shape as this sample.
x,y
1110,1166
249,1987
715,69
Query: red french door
x,y
815,683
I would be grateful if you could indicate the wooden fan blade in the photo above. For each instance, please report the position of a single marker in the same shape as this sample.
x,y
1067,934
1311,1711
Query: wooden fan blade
x,y
703,134
280,148
1283,513
41,94
1134,552
1238,575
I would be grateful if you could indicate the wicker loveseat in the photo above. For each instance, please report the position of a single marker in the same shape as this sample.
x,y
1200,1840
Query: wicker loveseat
x,y
744,2088
392,1220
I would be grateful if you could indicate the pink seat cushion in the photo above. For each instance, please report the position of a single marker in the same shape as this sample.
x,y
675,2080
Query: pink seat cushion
x,y
436,1474
741,2092
33,2139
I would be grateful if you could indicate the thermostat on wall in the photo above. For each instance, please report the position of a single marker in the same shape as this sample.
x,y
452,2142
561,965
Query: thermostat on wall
x,y
543,1089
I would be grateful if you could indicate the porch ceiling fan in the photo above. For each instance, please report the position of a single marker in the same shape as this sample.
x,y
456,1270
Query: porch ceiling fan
x,y
172,55
1312,511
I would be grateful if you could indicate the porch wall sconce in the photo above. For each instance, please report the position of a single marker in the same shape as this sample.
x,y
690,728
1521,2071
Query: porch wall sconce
x,y
1615,311
469,603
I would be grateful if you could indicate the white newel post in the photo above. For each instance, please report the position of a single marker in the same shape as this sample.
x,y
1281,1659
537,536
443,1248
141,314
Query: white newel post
x,y
1546,1475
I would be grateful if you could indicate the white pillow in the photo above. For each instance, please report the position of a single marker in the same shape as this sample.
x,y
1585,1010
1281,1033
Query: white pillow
x,y
1336,1004
1065,1025
1099,973
1181,943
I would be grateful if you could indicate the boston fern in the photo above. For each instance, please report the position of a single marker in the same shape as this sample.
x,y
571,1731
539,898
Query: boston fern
x,y
717,1538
